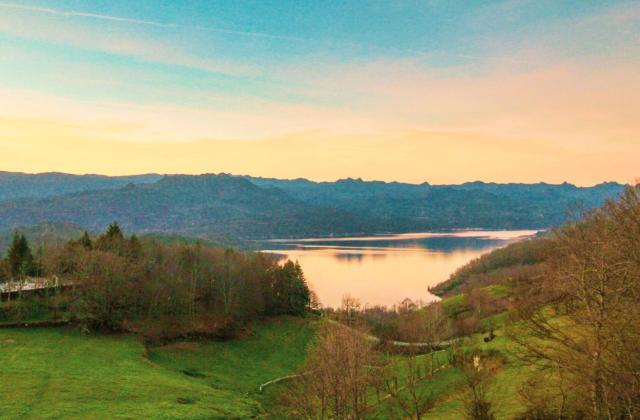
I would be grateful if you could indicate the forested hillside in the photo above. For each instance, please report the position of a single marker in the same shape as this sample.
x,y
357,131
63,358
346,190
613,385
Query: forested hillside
x,y
205,205
474,204
572,300
222,207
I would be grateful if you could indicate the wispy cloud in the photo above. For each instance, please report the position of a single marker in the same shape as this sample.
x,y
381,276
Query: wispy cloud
x,y
122,19
253,34
51,11
578,93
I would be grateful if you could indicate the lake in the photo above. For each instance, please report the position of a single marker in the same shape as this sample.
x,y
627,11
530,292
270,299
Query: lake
x,y
386,269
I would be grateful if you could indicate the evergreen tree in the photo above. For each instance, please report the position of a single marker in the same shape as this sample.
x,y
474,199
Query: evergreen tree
x,y
20,257
292,295
112,240
86,242
299,295
114,231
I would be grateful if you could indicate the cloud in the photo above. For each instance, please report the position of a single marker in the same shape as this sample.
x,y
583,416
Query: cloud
x,y
149,47
545,82
516,108
56,12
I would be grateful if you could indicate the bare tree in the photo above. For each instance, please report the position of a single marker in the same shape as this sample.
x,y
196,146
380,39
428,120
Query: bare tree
x,y
407,384
350,309
477,370
337,380
587,325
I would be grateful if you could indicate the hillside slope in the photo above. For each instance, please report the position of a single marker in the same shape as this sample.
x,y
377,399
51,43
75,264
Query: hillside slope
x,y
194,205
61,373
225,206
474,204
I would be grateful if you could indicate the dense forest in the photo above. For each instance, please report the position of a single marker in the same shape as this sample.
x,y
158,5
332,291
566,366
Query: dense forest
x,y
118,283
226,208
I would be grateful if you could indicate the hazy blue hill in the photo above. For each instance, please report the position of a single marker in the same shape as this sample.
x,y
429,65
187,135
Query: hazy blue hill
x,y
567,193
223,207
204,205
474,204
21,185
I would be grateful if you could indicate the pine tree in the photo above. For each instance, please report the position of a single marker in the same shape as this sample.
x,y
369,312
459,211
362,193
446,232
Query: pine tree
x,y
4,271
112,240
114,231
85,241
20,257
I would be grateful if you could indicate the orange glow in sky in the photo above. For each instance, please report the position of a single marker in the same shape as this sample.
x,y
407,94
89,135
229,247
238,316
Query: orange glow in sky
x,y
548,95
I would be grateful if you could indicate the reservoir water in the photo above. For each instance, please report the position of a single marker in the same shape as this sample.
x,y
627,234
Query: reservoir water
x,y
386,269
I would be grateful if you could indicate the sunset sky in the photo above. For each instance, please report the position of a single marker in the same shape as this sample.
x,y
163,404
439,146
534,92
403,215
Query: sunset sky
x,y
437,91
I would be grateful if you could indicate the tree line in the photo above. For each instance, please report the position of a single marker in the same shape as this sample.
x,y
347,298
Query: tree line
x,y
126,283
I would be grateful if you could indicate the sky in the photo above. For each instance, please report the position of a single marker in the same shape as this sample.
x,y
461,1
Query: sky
x,y
414,91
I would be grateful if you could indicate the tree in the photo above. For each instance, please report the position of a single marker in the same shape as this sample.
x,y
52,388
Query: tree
x,y
20,257
105,289
114,231
290,290
585,326
86,242
112,240
436,329
134,248
477,369
5,272
338,378
299,294
350,309
406,383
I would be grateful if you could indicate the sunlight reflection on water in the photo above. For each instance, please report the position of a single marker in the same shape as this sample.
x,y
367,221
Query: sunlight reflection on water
x,y
388,268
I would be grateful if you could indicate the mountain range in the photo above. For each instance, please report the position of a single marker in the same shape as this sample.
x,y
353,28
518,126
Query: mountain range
x,y
215,206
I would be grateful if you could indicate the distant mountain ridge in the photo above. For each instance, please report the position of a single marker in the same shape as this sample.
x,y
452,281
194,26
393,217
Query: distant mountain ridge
x,y
214,206
203,205
49,184
473,204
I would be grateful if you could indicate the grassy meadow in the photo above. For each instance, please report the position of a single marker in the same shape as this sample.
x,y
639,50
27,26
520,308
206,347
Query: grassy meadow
x,y
61,373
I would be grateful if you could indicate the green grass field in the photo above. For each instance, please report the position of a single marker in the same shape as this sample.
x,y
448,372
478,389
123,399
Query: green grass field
x,y
60,373
275,349
504,386
438,387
